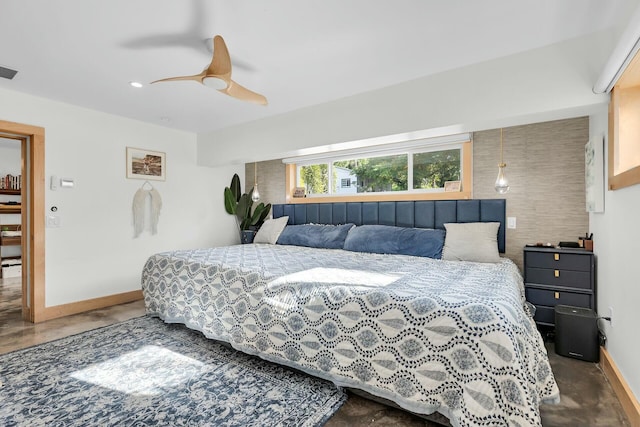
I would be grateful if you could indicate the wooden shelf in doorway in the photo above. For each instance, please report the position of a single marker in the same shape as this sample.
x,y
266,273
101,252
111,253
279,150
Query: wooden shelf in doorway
x,y
10,209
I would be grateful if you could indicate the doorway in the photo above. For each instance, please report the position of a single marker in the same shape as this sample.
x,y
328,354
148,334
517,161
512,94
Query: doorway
x,y
11,226
32,216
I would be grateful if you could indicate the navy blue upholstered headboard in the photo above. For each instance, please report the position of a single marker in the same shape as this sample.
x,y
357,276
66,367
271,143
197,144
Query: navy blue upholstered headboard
x,y
418,214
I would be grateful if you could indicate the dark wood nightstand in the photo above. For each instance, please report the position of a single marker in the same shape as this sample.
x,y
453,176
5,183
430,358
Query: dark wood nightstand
x,y
555,276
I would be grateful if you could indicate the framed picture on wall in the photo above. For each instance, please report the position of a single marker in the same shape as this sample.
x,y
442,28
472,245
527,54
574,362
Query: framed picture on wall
x,y
299,192
146,164
594,174
452,186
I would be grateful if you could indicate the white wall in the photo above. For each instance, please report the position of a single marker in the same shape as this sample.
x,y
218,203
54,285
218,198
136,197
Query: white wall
x,y
553,82
616,237
10,156
93,253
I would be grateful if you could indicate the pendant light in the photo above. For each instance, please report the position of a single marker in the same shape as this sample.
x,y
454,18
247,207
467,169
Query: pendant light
x,y
255,195
502,184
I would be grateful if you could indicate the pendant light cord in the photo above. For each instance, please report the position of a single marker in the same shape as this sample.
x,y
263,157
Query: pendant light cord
x,y
501,150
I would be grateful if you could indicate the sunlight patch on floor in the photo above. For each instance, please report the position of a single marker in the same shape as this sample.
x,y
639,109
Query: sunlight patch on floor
x,y
149,371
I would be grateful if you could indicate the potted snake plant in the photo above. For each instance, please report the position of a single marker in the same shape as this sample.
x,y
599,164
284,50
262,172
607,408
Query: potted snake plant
x,y
240,205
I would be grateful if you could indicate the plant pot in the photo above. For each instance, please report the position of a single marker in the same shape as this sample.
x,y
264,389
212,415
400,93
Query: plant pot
x,y
246,236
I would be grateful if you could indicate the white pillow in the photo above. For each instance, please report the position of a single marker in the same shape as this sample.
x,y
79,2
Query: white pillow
x,y
270,230
471,241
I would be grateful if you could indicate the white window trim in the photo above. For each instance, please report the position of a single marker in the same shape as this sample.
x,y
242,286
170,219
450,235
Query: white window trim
x,y
381,150
409,149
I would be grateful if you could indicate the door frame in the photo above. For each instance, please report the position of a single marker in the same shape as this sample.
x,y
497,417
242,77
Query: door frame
x,y
35,310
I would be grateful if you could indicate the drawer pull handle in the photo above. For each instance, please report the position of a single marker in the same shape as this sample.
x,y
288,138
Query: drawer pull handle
x,y
557,295
556,257
556,273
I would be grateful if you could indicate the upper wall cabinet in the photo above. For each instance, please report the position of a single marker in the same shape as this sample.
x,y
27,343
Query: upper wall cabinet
x,y
624,128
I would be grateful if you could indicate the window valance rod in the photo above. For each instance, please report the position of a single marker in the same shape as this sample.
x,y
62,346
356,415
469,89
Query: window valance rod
x,y
382,148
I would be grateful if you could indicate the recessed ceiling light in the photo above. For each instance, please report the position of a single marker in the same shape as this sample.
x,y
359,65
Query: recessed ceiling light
x,y
136,84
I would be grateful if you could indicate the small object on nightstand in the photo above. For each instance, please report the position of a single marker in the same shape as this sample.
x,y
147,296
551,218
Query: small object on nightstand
x,y
588,245
569,245
540,245
587,241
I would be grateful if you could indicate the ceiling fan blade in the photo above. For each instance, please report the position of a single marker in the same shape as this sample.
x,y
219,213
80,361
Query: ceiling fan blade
x,y
218,73
221,61
242,93
198,78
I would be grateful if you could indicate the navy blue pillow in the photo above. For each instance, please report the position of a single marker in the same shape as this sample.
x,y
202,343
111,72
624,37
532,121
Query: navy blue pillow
x,y
315,235
385,239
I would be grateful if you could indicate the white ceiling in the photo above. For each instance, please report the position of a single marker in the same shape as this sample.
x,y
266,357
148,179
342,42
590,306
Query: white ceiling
x,y
297,53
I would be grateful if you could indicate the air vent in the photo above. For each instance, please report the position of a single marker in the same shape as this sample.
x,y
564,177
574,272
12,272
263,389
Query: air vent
x,y
7,73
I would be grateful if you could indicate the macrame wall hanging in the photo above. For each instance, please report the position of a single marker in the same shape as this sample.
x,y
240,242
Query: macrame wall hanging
x,y
139,204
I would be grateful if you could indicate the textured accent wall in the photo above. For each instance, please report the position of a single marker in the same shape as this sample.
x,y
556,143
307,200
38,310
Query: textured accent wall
x,y
271,180
545,168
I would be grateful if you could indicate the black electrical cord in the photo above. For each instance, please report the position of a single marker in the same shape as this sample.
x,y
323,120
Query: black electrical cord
x,y
601,335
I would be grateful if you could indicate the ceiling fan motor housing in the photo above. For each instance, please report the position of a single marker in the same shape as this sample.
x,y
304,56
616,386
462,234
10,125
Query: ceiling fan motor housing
x,y
215,82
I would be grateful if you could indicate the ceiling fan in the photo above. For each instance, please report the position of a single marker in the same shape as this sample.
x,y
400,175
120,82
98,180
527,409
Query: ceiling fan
x,y
218,76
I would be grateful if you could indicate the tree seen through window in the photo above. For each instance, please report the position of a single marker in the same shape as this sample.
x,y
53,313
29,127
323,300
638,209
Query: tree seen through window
x,y
430,170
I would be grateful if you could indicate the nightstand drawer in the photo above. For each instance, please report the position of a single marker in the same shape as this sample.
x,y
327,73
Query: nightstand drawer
x,y
557,277
548,298
564,261
545,315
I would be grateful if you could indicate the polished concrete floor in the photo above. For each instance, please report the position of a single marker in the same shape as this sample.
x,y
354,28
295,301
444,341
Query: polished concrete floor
x,y
587,397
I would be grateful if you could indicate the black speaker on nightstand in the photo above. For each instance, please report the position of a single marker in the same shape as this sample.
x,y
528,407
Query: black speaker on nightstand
x,y
577,333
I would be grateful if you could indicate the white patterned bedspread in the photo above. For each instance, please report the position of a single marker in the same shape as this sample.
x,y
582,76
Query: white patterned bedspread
x,y
431,335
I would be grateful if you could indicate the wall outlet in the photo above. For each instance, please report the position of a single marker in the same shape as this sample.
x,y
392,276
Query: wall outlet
x,y
511,222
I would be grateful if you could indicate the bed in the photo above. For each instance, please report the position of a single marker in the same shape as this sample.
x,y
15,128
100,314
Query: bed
x,y
430,335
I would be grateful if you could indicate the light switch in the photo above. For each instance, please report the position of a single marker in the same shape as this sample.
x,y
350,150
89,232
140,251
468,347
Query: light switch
x,y
67,182
53,221
511,222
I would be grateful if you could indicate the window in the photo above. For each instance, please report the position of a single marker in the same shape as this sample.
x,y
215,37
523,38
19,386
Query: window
x,y
376,174
432,169
624,129
314,178
416,170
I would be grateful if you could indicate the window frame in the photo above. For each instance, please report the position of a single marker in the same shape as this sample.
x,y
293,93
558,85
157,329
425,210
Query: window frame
x,y
466,178
626,88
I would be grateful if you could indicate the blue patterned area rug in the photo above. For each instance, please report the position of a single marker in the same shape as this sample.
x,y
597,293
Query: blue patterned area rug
x,y
145,372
